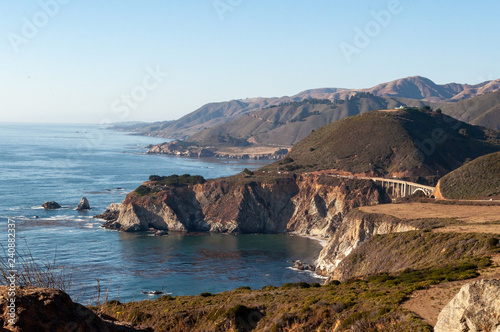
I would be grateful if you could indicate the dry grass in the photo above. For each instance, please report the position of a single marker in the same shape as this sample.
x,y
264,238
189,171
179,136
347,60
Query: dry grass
x,y
465,213
428,303
32,273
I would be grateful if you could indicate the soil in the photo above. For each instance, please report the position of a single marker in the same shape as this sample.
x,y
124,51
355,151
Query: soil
x,y
428,303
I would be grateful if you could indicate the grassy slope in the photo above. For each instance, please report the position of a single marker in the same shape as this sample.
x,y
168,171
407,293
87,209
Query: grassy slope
x,y
479,178
483,110
417,250
372,303
384,142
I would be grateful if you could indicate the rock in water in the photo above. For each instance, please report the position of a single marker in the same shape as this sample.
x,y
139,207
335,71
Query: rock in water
x,y
51,205
84,204
475,308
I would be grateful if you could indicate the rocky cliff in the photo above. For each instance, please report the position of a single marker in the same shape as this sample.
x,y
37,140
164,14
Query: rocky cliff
x,y
307,204
356,228
475,308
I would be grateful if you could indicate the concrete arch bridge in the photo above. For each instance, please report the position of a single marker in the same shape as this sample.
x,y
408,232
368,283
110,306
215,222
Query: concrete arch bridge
x,y
400,188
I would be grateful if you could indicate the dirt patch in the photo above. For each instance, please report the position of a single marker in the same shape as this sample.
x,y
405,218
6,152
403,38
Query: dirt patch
x,y
428,303
465,213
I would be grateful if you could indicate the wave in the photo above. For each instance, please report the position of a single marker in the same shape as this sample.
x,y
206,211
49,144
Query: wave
x,y
310,273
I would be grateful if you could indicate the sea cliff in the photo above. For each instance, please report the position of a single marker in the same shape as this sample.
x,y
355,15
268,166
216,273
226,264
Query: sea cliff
x,y
308,204
356,228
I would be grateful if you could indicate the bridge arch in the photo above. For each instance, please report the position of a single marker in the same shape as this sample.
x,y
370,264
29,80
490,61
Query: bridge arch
x,y
426,192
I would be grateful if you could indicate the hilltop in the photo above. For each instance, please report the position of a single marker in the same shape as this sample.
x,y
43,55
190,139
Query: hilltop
x,y
418,88
477,179
404,143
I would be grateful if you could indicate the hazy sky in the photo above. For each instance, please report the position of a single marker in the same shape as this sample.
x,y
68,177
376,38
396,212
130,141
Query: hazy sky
x,y
124,60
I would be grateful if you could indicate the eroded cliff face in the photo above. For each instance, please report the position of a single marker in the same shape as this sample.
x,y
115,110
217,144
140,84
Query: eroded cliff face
x,y
356,228
308,204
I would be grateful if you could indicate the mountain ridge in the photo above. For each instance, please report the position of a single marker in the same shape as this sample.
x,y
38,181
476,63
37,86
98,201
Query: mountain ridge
x,y
414,87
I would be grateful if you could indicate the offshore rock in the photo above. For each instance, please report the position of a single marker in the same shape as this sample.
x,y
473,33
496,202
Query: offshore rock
x,y
475,308
48,310
51,205
111,213
303,266
84,204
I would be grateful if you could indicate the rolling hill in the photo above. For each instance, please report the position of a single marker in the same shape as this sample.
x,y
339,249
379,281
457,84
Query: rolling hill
x,y
482,110
477,179
414,144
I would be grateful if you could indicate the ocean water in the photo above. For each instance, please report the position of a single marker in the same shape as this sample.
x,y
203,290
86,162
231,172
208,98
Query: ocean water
x,y
62,163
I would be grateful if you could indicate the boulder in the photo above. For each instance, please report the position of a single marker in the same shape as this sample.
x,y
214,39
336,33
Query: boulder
x,y
84,204
51,205
161,233
475,308
42,309
303,266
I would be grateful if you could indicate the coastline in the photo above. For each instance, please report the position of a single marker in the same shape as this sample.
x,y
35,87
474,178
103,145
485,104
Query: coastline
x,y
322,240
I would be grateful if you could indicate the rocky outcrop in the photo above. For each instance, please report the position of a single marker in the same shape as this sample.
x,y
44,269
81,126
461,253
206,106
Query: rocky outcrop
x,y
48,310
263,203
111,214
475,308
303,266
84,204
356,228
51,205
180,149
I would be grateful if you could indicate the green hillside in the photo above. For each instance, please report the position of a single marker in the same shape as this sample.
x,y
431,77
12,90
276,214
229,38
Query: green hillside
x,y
406,143
477,179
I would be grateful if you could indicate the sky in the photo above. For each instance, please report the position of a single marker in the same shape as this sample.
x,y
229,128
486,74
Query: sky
x,y
89,61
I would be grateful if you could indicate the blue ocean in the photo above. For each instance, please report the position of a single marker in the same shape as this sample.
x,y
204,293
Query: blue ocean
x,y
63,163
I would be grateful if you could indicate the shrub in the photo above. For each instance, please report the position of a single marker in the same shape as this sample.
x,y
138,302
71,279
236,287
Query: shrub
x,y
176,180
154,178
143,190
492,242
